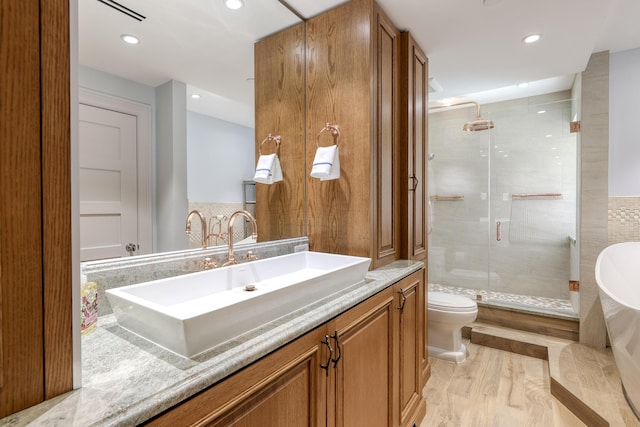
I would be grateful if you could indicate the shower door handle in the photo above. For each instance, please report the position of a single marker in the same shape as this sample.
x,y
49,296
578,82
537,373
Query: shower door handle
x,y
429,215
498,231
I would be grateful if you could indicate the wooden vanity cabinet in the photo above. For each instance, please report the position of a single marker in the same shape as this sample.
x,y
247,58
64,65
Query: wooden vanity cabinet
x,y
412,357
362,368
284,388
361,381
380,345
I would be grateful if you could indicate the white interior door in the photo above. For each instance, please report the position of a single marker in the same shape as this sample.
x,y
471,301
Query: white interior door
x,y
108,183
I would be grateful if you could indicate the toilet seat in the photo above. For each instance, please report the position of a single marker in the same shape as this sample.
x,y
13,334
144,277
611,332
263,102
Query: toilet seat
x,y
451,303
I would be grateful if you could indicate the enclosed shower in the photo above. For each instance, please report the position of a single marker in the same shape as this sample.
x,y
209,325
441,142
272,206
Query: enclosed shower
x,y
502,203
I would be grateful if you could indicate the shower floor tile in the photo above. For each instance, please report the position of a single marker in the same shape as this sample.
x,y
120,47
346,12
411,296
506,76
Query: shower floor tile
x,y
525,303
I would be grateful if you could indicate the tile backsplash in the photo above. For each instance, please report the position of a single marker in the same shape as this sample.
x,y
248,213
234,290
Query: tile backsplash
x,y
624,219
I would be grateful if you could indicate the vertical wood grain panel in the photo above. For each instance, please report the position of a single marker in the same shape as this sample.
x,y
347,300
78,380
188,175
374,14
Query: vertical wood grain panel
x,y
339,71
56,197
280,110
386,204
410,355
20,207
413,148
367,362
420,79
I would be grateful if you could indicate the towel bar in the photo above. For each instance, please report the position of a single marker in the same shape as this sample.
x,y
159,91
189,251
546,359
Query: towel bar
x,y
270,137
335,132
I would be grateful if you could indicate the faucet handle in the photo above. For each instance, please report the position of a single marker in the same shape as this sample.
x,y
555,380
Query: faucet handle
x,y
208,264
250,256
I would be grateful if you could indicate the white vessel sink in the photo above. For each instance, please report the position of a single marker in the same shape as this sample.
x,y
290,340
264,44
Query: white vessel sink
x,y
191,313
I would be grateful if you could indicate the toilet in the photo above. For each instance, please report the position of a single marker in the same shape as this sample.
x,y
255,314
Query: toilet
x,y
447,314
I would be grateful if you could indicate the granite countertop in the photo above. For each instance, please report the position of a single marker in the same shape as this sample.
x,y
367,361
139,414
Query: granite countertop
x,y
127,380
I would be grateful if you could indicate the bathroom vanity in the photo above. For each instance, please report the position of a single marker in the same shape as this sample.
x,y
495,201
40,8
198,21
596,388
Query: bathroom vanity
x,y
377,367
367,367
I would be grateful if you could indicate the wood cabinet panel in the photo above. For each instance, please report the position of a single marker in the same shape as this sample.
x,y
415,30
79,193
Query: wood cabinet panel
x,y
280,110
56,197
352,74
363,384
284,402
339,92
35,204
413,147
385,139
411,344
21,303
285,388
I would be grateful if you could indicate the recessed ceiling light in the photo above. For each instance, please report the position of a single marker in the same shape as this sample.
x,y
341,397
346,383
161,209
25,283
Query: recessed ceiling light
x,y
128,38
195,96
523,85
532,38
542,111
234,4
548,135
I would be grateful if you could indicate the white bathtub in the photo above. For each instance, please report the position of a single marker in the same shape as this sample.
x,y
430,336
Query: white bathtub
x,y
618,277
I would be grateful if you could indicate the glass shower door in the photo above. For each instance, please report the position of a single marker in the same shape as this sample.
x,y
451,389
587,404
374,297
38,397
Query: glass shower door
x,y
503,202
533,199
459,196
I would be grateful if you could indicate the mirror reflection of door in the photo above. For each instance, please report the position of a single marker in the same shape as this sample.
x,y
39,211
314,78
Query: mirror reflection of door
x,y
108,191
114,138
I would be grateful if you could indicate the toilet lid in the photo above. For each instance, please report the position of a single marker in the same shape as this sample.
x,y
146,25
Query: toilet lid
x,y
451,302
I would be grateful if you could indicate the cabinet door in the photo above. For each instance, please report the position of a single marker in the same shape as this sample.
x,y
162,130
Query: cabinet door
x,y
413,146
285,388
361,381
385,141
411,305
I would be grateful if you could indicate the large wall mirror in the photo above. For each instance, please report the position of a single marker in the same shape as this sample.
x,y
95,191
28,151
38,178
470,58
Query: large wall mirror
x,y
167,123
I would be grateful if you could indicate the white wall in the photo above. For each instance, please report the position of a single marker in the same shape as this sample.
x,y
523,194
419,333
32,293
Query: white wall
x,y
624,131
220,155
117,86
171,166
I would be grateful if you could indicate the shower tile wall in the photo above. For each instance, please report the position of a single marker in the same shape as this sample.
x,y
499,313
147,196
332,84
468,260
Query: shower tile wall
x,y
526,153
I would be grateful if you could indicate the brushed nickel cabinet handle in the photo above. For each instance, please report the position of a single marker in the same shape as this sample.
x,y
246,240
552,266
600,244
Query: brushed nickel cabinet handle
x,y
498,231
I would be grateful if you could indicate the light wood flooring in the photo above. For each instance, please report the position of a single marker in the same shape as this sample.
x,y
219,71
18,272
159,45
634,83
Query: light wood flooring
x,y
526,380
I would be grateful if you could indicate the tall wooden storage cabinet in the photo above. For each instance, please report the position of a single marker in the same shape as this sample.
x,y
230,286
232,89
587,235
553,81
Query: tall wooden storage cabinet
x,y
370,80
414,77
280,111
352,82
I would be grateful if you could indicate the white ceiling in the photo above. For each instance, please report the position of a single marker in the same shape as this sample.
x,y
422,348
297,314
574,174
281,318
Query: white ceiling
x,y
474,46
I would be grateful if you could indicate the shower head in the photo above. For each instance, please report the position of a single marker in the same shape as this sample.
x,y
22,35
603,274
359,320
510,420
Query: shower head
x,y
478,124
474,125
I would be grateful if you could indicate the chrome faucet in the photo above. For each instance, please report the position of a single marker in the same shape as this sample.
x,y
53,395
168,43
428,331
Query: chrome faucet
x,y
254,227
203,221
